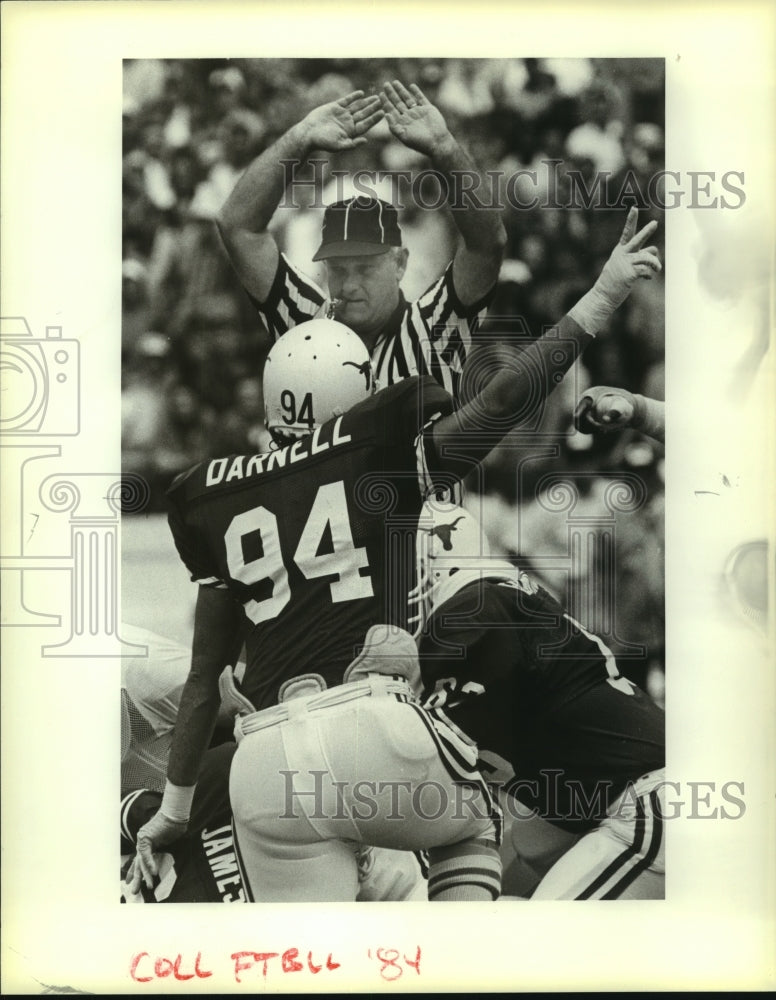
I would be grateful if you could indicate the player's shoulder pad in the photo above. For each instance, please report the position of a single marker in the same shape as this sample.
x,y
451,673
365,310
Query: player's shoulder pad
x,y
191,483
529,601
399,412
480,595
422,392
184,479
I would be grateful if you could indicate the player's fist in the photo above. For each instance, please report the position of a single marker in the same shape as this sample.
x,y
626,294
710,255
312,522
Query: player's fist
x,y
604,408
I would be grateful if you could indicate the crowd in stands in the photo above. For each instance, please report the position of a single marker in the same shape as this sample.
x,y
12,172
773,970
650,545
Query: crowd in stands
x,y
553,130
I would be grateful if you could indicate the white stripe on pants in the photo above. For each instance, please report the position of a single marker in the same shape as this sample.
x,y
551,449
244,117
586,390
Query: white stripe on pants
x,y
623,857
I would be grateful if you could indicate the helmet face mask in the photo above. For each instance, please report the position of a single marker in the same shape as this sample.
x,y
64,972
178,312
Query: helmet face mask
x,y
449,539
316,371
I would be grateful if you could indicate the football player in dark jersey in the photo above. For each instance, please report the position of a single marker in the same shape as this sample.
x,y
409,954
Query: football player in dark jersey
x,y
556,724
314,543
201,866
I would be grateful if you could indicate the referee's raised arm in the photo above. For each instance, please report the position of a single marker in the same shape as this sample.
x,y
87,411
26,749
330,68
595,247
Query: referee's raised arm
x,y
416,122
244,218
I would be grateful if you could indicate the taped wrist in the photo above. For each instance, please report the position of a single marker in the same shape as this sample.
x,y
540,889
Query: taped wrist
x,y
176,802
639,411
649,417
592,311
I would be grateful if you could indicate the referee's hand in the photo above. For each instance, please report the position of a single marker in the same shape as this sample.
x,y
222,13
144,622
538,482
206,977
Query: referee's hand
x,y
413,119
341,124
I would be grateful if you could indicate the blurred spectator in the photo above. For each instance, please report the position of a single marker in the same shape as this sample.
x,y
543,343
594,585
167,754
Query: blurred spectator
x,y
144,81
135,303
184,432
644,145
147,376
465,89
597,141
165,427
526,86
240,429
229,89
239,135
190,277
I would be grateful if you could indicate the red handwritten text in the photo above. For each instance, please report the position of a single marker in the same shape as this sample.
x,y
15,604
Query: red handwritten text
x,y
244,960
391,970
163,967
144,968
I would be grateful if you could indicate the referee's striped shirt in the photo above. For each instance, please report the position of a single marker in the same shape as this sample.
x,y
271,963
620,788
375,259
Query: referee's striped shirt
x,y
430,336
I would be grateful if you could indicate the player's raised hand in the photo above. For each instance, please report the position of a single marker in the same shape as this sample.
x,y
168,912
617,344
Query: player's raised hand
x,y
413,119
629,261
342,124
157,832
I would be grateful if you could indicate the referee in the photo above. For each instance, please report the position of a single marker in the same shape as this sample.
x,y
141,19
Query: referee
x,y
362,247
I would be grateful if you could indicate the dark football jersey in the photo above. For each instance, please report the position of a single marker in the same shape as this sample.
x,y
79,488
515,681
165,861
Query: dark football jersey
x,y
528,683
202,866
304,536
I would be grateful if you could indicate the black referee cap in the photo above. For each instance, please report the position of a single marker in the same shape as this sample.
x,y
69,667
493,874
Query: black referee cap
x,y
358,227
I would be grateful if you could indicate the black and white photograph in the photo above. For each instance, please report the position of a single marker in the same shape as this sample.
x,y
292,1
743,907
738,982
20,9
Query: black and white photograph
x,y
303,238
388,485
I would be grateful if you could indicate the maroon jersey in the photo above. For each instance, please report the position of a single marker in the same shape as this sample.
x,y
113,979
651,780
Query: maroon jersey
x,y
303,537
527,682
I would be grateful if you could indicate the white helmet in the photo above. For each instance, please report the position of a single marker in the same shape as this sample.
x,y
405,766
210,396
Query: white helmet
x,y
316,371
449,542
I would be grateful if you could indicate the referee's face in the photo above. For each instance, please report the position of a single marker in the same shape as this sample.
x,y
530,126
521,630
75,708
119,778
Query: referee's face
x,y
367,289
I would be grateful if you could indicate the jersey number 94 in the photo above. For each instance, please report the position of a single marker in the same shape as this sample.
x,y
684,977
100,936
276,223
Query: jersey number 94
x,y
345,562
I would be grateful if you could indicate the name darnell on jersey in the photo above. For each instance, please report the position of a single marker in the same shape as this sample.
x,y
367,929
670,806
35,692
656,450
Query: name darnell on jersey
x,y
300,536
557,710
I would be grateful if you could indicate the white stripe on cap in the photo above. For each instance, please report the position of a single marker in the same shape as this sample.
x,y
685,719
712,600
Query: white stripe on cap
x,y
347,215
380,220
